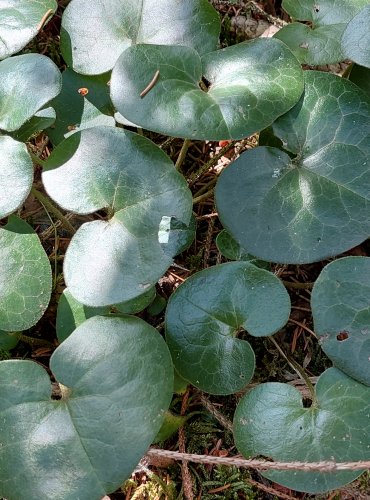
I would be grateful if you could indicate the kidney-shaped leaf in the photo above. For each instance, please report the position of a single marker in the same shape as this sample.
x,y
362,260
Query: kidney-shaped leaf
x,y
321,43
20,21
117,381
25,277
271,421
356,38
27,83
105,167
205,315
341,311
317,204
250,85
84,102
96,32
16,175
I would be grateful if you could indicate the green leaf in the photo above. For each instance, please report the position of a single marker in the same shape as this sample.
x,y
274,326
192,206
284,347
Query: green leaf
x,y
137,304
20,22
175,236
193,23
316,204
27,83
8,340
117,384
119,169
233,251
356,38
115,261
16,175
251,84
208,311
171,424
71,314
76,111
340,304
25,278
118,260
320,44
271,421
40,121
361,77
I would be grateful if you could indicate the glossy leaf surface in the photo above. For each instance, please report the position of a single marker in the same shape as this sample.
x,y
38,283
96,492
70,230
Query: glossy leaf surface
x,y
117,25
271,421
250,85
25,278
86,444
106,167
205,315
20,22
356,38
16,175
340,304
84,102
31,80
321,43
316,204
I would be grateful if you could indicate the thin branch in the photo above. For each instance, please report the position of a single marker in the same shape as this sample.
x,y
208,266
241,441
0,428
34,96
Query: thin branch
x,y
46,202
182,155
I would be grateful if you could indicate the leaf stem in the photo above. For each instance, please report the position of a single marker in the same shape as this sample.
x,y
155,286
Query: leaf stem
x,y
299,370
203,196
33,341
48,205
196,175
182,154
35,158
298,286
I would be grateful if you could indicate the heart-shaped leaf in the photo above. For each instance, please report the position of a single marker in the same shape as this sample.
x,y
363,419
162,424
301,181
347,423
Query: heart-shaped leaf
x,y
316,204
321,43
31,80
84,102
20,21
25,278
16,175
250,85
205,315
340,304
116,261
117,25
271,421
117,384
356,38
